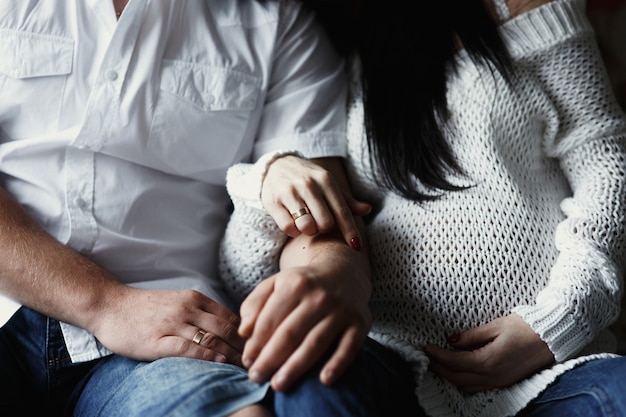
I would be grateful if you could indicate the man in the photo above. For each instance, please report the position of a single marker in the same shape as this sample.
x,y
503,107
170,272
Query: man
x,y
115,139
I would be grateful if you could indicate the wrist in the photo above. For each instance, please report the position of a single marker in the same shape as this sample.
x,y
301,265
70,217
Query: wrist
x,y
244,182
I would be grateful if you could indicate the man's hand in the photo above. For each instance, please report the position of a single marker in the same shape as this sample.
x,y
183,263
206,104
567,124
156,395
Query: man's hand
x,y
297,315
152,324
45,275
495,355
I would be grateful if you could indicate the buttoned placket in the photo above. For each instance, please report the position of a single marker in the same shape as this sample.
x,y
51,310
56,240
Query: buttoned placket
x,y
99,123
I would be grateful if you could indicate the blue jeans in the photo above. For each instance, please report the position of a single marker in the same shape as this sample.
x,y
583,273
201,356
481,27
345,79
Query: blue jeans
x,y
37,377
378,384
594,389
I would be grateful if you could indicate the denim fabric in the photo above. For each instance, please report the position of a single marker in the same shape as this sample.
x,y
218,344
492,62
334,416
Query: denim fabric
x,y
38,378
173,387
378,384
595,389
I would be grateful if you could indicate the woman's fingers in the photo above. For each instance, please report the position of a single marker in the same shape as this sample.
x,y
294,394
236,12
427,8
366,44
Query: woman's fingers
x,y
305,197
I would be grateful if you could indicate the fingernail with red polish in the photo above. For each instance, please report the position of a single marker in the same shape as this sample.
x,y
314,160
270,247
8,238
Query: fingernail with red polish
x,y
355,242
454,338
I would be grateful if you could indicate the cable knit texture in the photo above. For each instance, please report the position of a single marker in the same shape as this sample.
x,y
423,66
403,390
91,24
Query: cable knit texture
x,y
540,231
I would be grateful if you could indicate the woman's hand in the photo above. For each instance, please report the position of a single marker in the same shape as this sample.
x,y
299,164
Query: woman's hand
x,y
495,355
303,197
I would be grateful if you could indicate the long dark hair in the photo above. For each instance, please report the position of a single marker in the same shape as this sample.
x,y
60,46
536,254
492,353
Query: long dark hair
x,y
405,51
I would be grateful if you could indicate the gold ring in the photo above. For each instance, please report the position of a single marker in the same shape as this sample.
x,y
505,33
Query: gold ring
x,y
197,338
300,213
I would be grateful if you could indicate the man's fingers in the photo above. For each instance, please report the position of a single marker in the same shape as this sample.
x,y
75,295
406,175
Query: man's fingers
x,y
279,309
305,354
347,349
286,337
253,304
210,349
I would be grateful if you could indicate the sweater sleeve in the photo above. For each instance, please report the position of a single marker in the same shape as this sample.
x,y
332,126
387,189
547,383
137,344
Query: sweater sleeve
x,y
252,243
588,139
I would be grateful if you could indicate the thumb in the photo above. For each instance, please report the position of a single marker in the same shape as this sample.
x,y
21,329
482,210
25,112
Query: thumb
x,y
252,306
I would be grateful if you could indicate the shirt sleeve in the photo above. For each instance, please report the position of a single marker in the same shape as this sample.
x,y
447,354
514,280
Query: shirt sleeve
x,y
305,105
589,141
304,113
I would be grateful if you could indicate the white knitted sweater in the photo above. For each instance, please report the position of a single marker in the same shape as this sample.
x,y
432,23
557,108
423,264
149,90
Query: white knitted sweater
x,y
540,232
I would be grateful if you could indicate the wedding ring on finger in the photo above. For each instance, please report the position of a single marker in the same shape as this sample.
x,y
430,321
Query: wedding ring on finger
x,y
197,338
297,214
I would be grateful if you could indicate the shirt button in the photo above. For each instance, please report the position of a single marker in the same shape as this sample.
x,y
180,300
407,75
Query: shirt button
x,y
112,75
81,203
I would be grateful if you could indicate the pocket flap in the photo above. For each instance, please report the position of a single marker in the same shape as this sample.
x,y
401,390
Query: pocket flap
x,y
27,54
210,88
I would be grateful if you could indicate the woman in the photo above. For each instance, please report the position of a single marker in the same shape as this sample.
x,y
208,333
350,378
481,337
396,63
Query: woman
x,y
492,150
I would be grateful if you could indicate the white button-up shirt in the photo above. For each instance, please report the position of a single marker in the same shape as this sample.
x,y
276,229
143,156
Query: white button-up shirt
x,y
116,135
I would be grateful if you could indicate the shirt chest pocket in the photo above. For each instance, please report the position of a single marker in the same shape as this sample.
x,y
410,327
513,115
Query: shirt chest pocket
x,y
33,75
201,117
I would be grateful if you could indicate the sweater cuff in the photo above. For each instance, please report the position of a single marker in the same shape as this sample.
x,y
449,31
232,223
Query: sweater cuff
x,y
556,326
244,182
544,26
568,326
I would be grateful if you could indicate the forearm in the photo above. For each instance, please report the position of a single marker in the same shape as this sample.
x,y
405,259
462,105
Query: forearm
x,y
41,273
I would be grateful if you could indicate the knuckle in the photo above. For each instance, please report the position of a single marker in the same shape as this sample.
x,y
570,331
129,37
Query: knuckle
x,y
209,340
179,348
298,283
233,323
324,177
306,182
325,224
320,299
193,297
229,329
